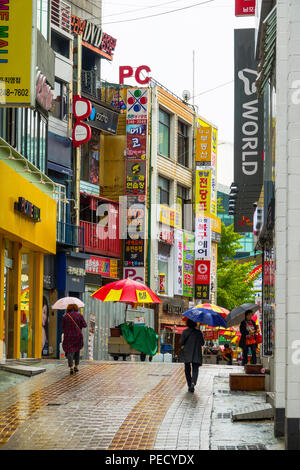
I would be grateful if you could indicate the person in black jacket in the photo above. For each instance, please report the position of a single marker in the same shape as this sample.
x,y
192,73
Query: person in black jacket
x,y
248,331
191,342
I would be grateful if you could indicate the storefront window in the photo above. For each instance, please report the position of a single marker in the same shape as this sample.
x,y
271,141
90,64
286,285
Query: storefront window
x,y
90,159
27,304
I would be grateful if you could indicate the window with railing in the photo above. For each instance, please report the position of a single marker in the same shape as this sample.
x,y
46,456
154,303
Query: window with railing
x,y
26,130
61,15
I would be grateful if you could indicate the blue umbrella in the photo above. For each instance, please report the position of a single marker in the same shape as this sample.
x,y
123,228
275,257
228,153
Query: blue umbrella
x,y
205,316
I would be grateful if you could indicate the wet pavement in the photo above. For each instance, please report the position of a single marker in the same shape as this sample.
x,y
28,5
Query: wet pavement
x,y
127,406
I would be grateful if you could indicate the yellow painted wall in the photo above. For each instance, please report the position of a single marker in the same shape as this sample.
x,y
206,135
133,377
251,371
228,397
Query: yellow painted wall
x,y
36,235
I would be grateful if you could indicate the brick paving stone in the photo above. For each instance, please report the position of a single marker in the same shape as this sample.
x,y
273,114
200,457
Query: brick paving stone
x,y
109,405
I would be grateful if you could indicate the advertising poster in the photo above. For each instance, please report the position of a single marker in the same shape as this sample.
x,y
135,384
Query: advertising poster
x,y
203,190
188,264
18,56
202,237
178,263
134,253
135,177
248,126
106,267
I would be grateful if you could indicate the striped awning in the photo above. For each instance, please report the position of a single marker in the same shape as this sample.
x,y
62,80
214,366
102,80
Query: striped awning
x,y
267,51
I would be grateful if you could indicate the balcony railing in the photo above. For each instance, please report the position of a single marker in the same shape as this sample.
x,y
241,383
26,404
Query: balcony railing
x,y
109,93
101,240
70,235
61,15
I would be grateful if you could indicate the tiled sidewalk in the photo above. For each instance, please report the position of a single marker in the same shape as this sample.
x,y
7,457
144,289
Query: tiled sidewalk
x,y
109,405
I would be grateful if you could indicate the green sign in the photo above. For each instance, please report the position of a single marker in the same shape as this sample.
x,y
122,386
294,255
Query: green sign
x,y
188,264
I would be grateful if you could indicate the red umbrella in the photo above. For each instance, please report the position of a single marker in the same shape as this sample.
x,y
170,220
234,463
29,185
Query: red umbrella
x,y
126,290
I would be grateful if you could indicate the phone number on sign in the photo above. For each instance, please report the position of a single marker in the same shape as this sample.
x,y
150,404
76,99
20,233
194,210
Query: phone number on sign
x,y
15,92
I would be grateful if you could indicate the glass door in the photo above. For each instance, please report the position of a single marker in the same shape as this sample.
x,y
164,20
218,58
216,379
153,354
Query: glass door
x,y
27,304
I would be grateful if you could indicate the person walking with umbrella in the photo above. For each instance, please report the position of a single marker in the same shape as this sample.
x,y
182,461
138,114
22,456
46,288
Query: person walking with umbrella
x,y
72,324
191,342
248,331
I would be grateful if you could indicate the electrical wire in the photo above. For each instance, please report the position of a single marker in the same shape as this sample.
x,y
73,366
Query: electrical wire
x,y
160,14
158,5
212,89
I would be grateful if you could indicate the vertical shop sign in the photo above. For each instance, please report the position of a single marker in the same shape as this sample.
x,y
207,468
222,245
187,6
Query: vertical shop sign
x,y
214,148
202,279
135,177
188,264
203,190
134,254
204,145
178,262
136,124
17,53
202,237
248,130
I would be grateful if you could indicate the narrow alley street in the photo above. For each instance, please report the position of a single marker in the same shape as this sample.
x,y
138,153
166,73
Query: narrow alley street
x,y
129,406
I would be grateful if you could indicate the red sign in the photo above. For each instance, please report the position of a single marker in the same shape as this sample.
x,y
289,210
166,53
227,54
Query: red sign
x,y
126,71
244,7
202,272
210,335
167,236
93,37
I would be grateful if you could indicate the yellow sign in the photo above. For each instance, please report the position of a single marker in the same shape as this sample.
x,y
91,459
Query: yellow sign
x,y
203,191
215,223
17,53
41,235
203,144
143,296
170,217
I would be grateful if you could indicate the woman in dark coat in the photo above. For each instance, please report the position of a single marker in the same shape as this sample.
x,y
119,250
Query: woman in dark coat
x,y
72,324
192,341
248,331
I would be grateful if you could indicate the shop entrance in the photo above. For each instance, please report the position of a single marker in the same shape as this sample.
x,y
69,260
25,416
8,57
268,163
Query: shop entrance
x,y
27,303
8,334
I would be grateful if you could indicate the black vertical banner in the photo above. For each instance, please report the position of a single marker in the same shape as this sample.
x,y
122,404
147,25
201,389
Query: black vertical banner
x,y
248,130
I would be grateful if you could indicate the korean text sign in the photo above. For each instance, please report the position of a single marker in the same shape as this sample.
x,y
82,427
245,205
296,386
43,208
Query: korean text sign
x,y
17,58
188,264
203,190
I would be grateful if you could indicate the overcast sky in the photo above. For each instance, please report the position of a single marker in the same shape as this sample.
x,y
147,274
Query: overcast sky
x,y
166,43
